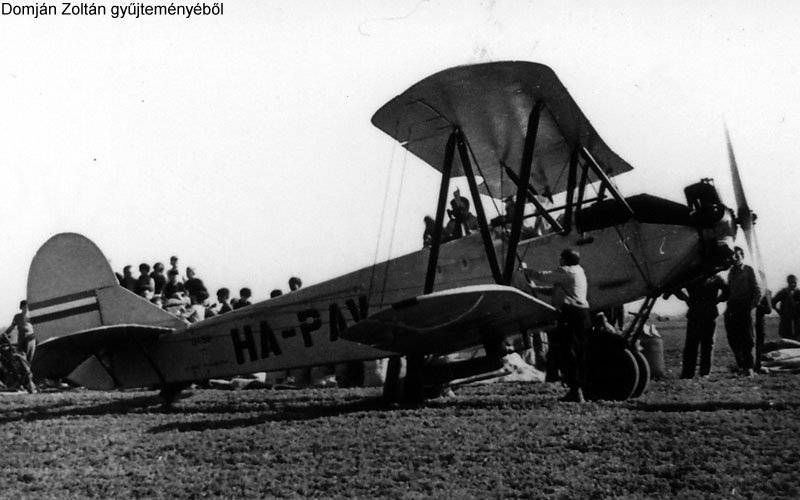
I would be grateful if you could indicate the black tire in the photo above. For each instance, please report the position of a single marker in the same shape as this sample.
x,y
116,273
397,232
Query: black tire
x,y
644,372
612,372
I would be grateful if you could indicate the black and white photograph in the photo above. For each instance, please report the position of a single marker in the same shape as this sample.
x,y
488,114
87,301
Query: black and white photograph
x,y
399,249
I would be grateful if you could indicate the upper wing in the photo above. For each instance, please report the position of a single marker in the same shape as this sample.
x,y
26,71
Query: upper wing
x,y
451,320
491,104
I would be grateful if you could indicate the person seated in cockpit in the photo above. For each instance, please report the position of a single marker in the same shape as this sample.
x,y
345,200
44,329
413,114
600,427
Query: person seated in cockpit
x,y
462,222
527,231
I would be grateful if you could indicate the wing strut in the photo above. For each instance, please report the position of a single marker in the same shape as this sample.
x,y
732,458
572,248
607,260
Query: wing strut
x,y
481,215
582,186
522,184
605,180
573,170
532,197
447,171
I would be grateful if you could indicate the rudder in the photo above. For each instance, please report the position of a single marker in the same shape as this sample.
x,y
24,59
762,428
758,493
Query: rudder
x,y
71,288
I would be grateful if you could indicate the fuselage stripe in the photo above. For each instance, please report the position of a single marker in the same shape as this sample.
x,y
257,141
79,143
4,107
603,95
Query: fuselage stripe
x,y
65,313
64,306
61,300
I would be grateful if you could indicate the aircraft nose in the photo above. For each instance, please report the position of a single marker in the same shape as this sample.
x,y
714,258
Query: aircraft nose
x,y
720,239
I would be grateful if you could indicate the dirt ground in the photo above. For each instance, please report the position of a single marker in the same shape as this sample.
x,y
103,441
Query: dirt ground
x,y
724,436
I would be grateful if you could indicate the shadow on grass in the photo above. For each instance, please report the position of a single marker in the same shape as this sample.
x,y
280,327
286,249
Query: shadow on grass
x,y
277,413
77,409
309,409
710,406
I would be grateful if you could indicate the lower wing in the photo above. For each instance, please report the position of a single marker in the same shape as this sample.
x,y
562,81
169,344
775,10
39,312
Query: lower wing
x,y
451,320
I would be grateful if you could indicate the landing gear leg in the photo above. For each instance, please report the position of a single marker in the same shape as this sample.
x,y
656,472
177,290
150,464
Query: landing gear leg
x,y
391,386
169,394
413,390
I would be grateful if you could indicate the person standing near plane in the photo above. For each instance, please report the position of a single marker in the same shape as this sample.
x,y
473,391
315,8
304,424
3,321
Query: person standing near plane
x,y
159,280
128,281
173,266
174,287
569,289
193,284
145,285
702,298
26,341
743,297
763,308
787,303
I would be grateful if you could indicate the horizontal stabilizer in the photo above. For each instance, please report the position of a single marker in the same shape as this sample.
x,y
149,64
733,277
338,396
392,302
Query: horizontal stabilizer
x,y
450,320
58,357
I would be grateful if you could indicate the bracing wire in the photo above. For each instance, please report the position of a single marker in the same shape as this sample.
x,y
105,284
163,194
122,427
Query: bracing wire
x,y
394,224
383,212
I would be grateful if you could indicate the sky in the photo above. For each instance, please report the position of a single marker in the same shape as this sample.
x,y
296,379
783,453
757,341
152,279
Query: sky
x,y
242,143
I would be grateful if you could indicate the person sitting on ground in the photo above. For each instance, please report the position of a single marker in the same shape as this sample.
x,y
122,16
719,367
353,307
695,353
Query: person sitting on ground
x,y
462,222
175,304
145,285
244,298
159,279
26,341
295,283
275,293
600,324
173,288
197,311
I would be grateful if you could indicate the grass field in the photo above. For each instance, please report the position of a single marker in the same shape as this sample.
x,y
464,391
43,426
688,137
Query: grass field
x,y
723,436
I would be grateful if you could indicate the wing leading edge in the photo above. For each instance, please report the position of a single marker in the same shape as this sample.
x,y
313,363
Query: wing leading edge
x,y
491,104
451,320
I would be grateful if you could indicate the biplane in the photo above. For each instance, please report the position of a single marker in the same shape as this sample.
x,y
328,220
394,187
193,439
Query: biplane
x,y
510,128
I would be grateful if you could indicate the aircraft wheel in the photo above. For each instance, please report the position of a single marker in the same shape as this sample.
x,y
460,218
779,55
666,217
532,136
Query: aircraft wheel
x,y
644,372
612,372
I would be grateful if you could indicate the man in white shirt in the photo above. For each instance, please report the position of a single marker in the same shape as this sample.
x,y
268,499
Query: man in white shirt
x,y
569,288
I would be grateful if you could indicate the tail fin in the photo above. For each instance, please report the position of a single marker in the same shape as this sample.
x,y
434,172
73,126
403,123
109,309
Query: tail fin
x,y
72,288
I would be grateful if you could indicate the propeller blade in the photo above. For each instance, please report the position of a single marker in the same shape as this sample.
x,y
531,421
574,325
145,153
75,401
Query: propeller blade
x,y
745,216
762,276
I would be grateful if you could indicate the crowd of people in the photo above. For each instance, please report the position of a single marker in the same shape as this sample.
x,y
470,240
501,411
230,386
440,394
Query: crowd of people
x,y
187,297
